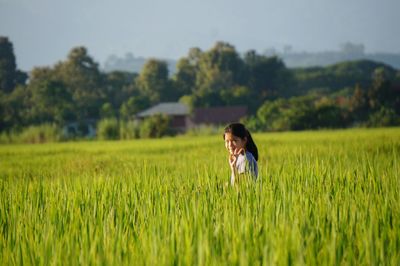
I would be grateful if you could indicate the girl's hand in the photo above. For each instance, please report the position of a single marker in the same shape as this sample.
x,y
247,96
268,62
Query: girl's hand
x,y
232,161
233,157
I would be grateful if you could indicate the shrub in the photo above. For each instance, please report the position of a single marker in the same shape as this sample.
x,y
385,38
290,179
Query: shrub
x,y
155,126
129,130
39,134
383,118
108,129
5,138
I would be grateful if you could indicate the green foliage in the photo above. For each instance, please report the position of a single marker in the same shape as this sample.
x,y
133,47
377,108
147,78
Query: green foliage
x,y
268,77
8,66
359,104
13,113
282,114
155,126
107,111
108,129
236,95
119,86
337,76
276,97
185,77
40,134
219,68
154,82
330,116
253,124
187,70
322,198
133,105
81,75
35,134
384,117
379,93
222,77
189,100
298,113
5,138
50,101
375,106
129,130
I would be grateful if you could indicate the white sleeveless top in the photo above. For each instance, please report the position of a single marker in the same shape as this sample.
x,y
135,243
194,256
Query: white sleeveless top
x,y
246,164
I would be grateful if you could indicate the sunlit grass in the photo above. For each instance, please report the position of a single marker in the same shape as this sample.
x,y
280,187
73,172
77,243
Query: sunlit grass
x,y
329,197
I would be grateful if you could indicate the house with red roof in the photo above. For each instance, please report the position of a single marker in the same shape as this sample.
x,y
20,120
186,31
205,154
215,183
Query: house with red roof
x,y
182,118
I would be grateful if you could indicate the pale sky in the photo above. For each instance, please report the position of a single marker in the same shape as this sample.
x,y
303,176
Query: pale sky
x,y
44,31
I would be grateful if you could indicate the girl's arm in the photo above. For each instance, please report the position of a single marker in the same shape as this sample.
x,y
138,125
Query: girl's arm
x,y
232,163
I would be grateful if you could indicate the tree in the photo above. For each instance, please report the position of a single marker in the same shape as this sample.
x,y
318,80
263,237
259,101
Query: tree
x,y
49,98
8,66
267,76
13,111
154,126
119,86
185,77
359,104
219,68
133,105
384,117
380,94
337,76
154,83
296,113
108,128
81,75
329,115
187,69
107,111
236,95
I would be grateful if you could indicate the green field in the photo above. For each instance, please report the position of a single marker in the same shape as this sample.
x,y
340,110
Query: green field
x,y
323,198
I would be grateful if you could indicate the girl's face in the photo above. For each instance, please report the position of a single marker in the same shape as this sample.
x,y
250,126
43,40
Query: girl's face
x,y
233,143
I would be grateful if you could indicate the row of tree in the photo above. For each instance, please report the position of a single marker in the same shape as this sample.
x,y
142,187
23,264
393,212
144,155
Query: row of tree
x,y
76,90
376,104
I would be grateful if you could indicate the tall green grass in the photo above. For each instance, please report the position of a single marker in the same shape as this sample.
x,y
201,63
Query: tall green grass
x,y
33,134
323,198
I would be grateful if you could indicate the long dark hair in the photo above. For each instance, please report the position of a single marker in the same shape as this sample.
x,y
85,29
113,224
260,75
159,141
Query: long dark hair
x,y
239,130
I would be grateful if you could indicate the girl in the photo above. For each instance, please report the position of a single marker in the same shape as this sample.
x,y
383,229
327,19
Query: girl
x,y
243,153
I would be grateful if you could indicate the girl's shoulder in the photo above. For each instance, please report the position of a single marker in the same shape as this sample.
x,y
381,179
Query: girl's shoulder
x,y
250,157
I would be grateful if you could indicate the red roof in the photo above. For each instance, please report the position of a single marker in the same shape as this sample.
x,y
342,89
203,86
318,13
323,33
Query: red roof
x,y
218,115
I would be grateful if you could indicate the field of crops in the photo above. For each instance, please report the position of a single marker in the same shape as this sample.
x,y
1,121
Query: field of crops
x,y
323,198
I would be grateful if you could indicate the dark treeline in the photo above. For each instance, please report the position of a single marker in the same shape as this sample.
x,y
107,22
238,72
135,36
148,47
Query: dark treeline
x,y
358,93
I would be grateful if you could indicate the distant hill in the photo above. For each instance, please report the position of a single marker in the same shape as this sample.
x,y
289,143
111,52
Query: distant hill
x,y
130,63
328,58
339,76
347,52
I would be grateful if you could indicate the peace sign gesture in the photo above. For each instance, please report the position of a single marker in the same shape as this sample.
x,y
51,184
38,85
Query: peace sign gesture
x,y
233,157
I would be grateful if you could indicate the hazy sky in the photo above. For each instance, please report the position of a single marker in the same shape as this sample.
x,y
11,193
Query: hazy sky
x,y
44,31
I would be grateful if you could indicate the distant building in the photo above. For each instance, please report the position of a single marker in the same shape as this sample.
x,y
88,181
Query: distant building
x,y
182,118
220,115
178,112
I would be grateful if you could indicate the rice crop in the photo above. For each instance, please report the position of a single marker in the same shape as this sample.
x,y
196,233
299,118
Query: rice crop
x,y
322,198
